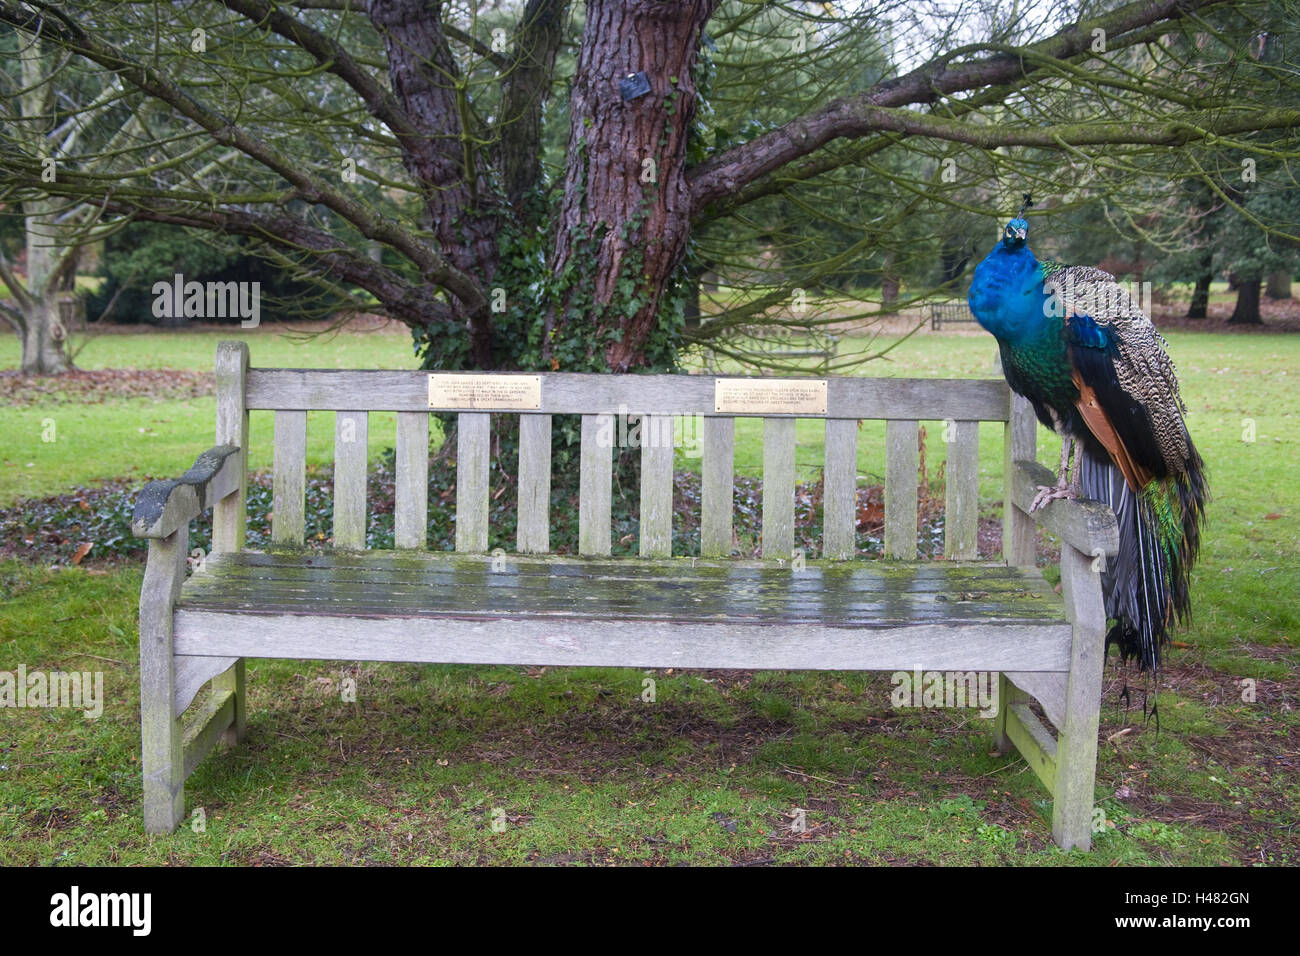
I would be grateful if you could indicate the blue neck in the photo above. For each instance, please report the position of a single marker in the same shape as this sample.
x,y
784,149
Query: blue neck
x,y
1006,295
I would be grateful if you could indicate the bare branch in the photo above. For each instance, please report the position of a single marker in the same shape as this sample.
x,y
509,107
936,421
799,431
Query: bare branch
x,y
853,116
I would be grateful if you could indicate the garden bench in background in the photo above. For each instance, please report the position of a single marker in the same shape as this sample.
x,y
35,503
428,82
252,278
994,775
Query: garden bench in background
x,y
835,612
949,313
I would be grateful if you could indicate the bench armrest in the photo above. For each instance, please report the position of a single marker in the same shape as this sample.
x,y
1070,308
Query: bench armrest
x,y
1087,525
164,506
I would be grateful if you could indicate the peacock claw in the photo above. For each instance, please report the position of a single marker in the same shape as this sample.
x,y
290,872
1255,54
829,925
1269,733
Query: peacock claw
x,y
1048,493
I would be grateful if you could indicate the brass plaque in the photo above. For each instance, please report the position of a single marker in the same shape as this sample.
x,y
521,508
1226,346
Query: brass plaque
x,y
460,392
769,396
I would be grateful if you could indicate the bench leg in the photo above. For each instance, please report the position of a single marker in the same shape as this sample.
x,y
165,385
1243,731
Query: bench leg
x,y
1008,694
1076,769
161,736
233,681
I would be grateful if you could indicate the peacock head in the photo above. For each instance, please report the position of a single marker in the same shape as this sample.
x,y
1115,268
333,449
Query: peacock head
x,y
1016,231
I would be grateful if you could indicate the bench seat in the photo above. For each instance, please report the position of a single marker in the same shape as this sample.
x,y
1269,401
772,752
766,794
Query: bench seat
x,y
680,612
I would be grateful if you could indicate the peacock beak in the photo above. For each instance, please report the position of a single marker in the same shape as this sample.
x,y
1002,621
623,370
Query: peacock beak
x,y
1020,233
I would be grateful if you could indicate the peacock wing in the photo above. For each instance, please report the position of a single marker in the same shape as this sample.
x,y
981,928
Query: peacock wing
x,y
1131,402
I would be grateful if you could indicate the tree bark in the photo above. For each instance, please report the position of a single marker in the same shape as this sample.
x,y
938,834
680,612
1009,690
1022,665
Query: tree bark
x,y
1246,311
524,91
1279,284
43,339
625,187
455,190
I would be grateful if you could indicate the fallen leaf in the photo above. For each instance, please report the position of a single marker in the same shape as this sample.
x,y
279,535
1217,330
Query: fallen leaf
x,y
82,550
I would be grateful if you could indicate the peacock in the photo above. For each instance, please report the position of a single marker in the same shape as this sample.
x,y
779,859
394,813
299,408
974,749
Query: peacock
x,y
1077,345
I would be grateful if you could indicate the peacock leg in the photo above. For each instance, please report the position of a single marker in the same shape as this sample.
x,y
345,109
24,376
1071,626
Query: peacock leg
x,y
1066,486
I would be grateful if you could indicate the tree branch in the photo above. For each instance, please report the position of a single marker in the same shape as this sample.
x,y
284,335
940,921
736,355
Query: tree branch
x,y
408,301
52,24
336,59
852,116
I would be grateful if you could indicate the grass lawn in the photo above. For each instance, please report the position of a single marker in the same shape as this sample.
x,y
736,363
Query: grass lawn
x,y
577,766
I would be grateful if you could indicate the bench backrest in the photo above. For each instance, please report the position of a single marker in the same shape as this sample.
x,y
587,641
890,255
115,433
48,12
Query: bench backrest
x,y
290,393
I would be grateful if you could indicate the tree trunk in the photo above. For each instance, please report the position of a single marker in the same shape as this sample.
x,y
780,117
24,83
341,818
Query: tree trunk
x,y
1200,304
625,216
43,339
1279,284
1247,308
439,153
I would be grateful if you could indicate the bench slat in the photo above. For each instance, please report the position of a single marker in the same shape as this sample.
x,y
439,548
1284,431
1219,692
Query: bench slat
x,y
902,464
1019,443
839,489
961,492
288,479
534,529
716,486
473,437
656,514
724,572
350,442
411,492
229,514
572,393
594,494
625,643
778,488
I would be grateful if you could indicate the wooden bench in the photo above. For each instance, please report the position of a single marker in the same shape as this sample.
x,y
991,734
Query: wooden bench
x,y
831,612
949,313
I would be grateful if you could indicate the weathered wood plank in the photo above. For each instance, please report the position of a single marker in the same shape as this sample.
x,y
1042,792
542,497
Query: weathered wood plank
x,y
162,754
1077,738
778,488
594,486
1019,443
961,491
411,481
163,506
533,535
288,479
975,571
717,490
191,673
1008,694
669,603
902,467
567,393
865,594
656,509
1034,742
473,438
1048,689
621,643
207,728
351,434
839,490
232,682
1088,525
229,510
